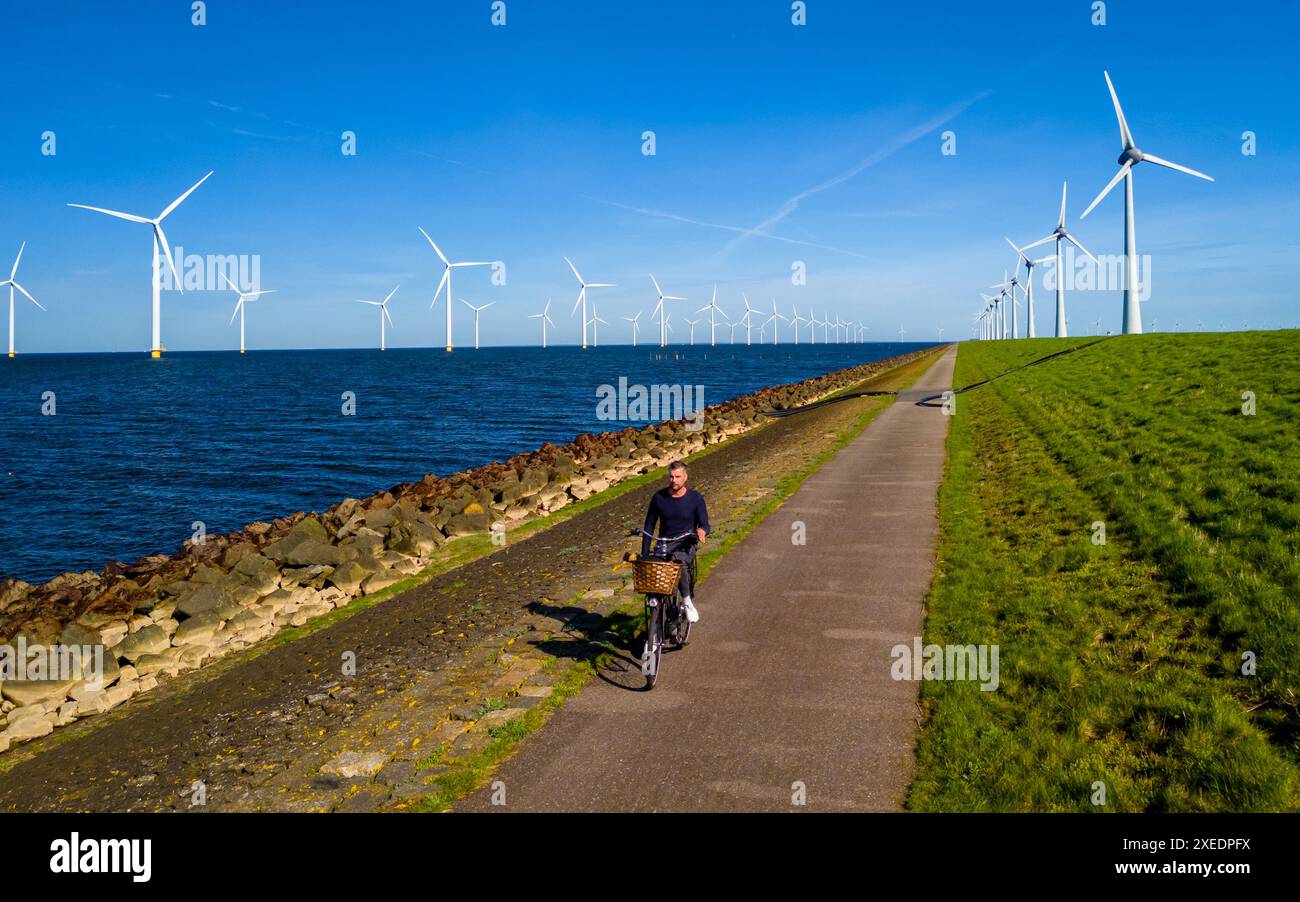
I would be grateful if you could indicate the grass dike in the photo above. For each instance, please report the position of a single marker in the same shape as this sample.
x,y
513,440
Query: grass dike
x,y
1122,522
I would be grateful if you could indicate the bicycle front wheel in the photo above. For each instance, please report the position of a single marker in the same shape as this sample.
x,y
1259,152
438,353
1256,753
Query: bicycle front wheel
x,y
654,645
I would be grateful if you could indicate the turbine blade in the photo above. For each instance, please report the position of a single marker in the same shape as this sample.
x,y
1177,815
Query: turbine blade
x,y
1051,237
435,247
25,294
371,303
1019,251
575,271
602,285
658,290
167,252
467,303
446,274
1125,135
1123,171
391,293
1070,238
255,294
472,264
1060,223
235,311
384,308
13,274
131,216
177,202
1151,158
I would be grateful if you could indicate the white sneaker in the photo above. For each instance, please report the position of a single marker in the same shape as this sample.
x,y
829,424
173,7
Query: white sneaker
x,y
692,615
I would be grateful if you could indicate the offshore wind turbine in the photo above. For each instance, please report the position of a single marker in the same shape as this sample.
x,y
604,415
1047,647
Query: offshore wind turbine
x,y
477,311
795,321
748,319
901,333
446,279
691,323
776,328
383,312
155,349
12,283
545,317
635,325
595,318
1128,159
1059,235
662,310
244,297
582,297
1032,332
714,309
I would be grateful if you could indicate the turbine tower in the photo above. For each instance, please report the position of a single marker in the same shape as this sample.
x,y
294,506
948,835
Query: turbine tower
x,y
635,325
155,349
1128,159
477,311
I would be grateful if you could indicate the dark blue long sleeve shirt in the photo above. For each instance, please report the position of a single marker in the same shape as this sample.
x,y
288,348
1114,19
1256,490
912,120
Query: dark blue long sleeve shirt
x,y
675,515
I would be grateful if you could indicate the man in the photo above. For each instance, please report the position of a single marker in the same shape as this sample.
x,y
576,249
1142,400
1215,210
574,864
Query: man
x,y
678,509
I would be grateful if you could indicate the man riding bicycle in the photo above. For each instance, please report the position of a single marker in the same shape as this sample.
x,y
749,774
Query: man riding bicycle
x,y
678,509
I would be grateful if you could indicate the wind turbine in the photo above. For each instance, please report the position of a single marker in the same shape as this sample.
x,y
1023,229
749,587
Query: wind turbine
x,y
383,312
244,297
545,317
445,280
1058,236
1130,157
733,326
796,320
595,318
901,333
582,297
714,309
1032,332
477,311
662,310
813,323
748,319
13,275
691,323
776,329
635,325
156,348
941,332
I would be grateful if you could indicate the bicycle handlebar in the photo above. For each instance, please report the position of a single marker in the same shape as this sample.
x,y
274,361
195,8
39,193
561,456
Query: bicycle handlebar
x,y
642,532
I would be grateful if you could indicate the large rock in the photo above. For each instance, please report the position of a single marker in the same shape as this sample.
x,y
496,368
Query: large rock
x,y
149,641
34,692
203,598
312,552
348,577
30,728
198,630
259,573
468,524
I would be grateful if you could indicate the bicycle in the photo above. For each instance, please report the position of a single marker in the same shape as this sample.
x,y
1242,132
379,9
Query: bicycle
x,y
656,576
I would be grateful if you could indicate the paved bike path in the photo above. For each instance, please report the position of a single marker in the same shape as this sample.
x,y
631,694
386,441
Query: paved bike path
x,y
787,677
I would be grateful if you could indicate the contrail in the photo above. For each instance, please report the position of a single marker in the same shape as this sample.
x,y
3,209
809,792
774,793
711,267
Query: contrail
x,y
717,225
884,153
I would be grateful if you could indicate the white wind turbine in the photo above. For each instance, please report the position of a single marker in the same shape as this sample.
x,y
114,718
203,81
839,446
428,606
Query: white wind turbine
x,y
477,311
1129,158
901,333
813,323
545,317
12,283
691,323
582,297
156,348
445,280
595,319
244,297
662,310
635,325
1058,236
714,309
734,327
776,328
748,319
383,312
795,320
1032,331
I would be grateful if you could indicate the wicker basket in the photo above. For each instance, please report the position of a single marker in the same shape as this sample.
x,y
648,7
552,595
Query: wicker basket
x,y
656,577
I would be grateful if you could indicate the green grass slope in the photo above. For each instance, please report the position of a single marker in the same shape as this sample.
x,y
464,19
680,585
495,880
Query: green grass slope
x,y
1121,664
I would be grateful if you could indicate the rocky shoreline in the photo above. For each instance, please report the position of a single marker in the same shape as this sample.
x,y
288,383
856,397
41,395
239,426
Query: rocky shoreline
x,y
166,614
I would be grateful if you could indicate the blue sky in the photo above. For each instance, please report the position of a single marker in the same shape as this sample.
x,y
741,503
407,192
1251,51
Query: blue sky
x,y
523,143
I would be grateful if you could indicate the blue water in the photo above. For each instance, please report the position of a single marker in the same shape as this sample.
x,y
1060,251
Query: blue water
x,y
139,449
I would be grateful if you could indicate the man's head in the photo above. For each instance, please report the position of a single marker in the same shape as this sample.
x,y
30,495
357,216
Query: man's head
x,y
676,476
